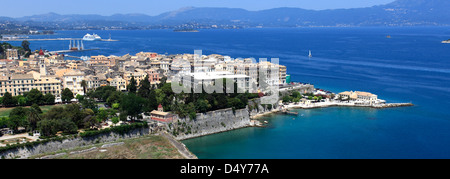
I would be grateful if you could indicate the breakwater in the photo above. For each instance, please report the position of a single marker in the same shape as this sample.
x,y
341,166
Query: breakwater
x,y
344,104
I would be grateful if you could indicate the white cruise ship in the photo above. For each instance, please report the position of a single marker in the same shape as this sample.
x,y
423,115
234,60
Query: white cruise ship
x,y
93,37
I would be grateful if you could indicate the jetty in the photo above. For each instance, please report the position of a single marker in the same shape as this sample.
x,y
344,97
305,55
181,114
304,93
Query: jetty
x,y
345,104
392,105
69,51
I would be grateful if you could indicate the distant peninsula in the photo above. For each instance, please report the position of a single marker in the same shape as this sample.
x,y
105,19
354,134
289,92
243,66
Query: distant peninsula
x,y
396,13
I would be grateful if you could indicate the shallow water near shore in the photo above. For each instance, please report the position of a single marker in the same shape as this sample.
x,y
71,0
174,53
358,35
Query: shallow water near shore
x,y
411,66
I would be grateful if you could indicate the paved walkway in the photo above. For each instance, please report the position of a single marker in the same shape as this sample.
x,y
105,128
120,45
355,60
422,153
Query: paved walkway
x,y
6,137
180,146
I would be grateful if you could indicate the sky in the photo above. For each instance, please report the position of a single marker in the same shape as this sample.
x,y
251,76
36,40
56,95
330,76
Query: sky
x,y
20,8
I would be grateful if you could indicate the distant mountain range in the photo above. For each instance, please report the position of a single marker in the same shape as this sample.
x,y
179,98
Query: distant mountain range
x,y
398,13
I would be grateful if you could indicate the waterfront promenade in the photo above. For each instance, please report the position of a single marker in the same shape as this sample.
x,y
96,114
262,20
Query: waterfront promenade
x,y
344,104
326,104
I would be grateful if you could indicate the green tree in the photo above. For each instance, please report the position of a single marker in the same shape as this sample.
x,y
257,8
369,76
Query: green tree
x,y
48,127
296,94
56,112
26,45
90,120
115,105
18,118
102,93
202,106
67,126
115,120
49,98
84,85
4,122
162,81
132,86
21,100
26,48
287,99
66,95
114,97
33,117
1,49
74,113
34,97
89,104
152,102
144,88
132,105
37,108
102,115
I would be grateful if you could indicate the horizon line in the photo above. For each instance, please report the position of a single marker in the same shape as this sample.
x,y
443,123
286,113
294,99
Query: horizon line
x,y
188,8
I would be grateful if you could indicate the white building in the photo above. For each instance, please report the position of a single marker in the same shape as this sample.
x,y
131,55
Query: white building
x,y
359,96
209,78
72,80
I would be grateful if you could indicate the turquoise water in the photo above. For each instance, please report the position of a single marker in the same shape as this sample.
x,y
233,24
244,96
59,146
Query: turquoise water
x,y
332,133
412,66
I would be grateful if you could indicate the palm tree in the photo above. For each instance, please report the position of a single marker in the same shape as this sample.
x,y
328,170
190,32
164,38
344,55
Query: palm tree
x,y
33,118
84,85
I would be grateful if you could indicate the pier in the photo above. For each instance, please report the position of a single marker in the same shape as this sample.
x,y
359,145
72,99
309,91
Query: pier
x,y
344,104
70,51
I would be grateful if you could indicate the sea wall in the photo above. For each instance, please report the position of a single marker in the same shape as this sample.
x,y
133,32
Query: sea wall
x,y
209,123
70,143
217,121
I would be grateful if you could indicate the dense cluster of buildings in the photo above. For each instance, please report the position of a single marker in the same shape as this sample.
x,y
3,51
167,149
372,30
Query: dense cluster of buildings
x,y
50,73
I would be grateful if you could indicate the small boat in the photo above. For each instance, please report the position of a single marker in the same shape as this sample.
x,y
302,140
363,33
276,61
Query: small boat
x,y
310,54
290,112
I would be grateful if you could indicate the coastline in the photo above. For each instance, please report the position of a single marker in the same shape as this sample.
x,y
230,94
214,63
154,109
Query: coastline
x,y
329,104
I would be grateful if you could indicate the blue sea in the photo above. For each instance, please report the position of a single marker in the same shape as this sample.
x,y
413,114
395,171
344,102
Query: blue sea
x,y
411,66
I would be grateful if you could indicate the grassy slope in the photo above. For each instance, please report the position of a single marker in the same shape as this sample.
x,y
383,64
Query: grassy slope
x,y
147,147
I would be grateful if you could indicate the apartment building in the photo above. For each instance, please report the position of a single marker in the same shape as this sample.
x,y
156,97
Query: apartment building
x,y
19,84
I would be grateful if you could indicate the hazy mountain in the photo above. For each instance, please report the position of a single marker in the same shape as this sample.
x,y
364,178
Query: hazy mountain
x,y
400,12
